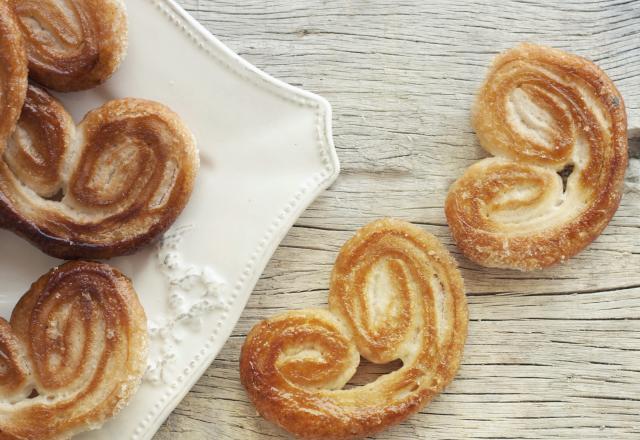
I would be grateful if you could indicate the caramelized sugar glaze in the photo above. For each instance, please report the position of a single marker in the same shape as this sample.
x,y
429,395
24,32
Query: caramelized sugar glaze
x,y
540,111
13,72
102,189
395,293
73,353
72,44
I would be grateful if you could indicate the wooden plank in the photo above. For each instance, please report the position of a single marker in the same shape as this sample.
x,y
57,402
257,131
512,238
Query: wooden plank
x,y
553,354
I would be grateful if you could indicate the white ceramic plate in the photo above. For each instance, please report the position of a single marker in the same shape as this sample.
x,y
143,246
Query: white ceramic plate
x,y
266,153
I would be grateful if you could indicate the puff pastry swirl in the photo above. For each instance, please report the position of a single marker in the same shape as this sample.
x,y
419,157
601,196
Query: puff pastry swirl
x,y
73,353
104,189
13,72
539,112
73,44
395,293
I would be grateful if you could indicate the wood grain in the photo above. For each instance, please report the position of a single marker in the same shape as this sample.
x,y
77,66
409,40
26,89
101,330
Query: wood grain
x,y
552,354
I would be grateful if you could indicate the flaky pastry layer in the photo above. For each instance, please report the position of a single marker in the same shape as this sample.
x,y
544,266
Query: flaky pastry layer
x,y
396,293
72,44
73,353
100,190
13,72
544,114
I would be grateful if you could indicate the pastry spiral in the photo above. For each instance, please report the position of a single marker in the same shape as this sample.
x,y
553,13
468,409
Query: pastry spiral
x,y
395,293
540,112
13,72
104,189
73,44
73,353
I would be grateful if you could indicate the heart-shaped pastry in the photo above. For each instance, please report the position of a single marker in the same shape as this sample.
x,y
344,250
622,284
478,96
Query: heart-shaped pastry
x,y
396,293
73,353
13,72
73,44
543,114
104,189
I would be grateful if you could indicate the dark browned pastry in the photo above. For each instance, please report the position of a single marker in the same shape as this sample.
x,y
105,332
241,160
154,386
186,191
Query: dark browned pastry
x,y
539,112
102,189
13,72
73,353
73,44
396,293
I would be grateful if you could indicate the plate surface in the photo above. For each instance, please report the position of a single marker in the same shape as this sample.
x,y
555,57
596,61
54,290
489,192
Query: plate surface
x,y
266,152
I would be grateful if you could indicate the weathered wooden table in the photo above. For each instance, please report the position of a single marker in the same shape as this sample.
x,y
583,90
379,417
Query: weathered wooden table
x,y
551,354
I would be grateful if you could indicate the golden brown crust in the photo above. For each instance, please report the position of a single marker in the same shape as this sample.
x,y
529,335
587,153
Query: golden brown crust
x,y
73,44
78,338
103,190
14,368
13,72
396,293
540,111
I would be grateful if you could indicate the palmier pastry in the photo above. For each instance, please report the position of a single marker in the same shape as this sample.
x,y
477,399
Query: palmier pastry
x,y
73,44
104,189
13,72
73,353
544,114
396,293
